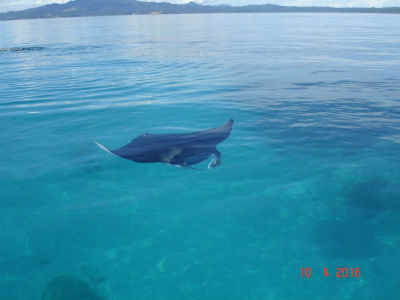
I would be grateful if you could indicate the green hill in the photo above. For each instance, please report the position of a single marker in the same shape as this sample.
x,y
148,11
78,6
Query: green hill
x,y
82,8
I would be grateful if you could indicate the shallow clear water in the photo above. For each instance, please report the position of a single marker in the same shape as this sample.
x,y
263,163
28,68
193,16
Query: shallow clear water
x,y
310,176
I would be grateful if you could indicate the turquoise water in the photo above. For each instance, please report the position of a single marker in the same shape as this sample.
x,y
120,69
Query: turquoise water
x,y
310,176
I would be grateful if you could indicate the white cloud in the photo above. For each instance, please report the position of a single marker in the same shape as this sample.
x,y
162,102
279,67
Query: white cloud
x,y
7,5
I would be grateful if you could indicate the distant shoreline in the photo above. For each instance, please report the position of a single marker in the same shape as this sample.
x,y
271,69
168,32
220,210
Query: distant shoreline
x,y
201,13
96,8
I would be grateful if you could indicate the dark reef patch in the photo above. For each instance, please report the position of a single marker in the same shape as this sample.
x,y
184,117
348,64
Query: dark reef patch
x,y
368,197
67,288
347,239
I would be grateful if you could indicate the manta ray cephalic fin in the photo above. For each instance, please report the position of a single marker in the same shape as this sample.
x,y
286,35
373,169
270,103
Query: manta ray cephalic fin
x,y
104,148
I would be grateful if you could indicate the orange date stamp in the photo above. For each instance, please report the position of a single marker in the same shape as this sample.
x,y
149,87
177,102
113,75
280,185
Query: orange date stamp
x,y
340,272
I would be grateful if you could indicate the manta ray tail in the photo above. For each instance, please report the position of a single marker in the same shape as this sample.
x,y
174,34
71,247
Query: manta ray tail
x,y
103,148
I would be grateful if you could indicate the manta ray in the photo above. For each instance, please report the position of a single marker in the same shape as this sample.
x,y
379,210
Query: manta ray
x,y
177,149
22,49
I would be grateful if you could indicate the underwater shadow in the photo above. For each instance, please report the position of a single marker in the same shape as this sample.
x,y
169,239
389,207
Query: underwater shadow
x,y
348,239
370,197
67,288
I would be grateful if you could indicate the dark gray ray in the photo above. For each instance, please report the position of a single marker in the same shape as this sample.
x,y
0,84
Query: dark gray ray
x,y
179,149
22,49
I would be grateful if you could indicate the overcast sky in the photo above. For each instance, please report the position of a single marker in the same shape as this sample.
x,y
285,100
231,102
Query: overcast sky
x,y
7,5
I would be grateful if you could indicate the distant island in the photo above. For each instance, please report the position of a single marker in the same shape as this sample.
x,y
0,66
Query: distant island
x,y
85,8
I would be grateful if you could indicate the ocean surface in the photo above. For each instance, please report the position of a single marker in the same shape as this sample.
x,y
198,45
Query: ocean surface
x,y
310,176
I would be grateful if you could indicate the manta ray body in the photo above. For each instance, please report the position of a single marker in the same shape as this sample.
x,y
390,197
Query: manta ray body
x,y
17,49
178,149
